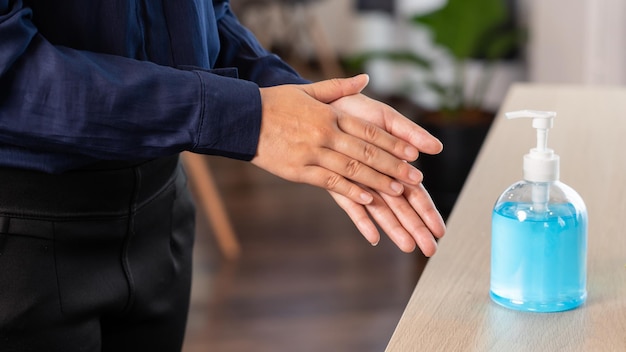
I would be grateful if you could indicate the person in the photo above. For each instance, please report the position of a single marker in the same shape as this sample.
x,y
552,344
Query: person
x,y
97,100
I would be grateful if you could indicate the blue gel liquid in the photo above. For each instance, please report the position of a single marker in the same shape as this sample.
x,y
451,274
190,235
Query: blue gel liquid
x,y
538,259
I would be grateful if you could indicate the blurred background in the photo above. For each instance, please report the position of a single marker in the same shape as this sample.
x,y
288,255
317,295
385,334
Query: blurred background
x,y
305,279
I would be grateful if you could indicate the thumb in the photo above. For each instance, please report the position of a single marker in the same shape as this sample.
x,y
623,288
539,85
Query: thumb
x,y
332,89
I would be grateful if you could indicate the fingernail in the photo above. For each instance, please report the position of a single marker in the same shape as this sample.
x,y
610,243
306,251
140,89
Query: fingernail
x,y
411,153
366,197
397,187
440,144
374,244
367,77
415,175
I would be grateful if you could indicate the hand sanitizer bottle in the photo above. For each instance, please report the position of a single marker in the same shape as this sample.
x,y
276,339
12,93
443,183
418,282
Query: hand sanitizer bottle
x,y
539,234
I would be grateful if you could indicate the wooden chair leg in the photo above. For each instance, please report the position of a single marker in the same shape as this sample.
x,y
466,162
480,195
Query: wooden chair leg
x,y
208,198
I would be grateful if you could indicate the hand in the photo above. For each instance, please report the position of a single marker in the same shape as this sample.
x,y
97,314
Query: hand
x,y
409,220
390,120
304,139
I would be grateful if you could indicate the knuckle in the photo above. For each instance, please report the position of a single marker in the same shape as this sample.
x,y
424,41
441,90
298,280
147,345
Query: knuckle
x,y
321,134
371,132
352,168
370,151
336,82
332,181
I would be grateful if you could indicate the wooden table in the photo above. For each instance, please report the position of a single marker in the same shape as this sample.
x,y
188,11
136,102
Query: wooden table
x,y
450,309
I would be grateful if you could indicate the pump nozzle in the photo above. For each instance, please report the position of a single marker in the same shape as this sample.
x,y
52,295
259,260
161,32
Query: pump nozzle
x,y
540,164
542,121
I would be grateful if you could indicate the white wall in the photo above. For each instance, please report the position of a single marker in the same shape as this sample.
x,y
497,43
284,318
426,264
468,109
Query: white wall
x,y
577,41
337,18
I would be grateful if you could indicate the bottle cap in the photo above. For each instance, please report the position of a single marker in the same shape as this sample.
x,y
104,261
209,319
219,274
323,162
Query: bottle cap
x,y
540,164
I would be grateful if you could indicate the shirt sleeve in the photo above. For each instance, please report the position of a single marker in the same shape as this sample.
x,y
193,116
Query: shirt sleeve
x,y
55,99
239,48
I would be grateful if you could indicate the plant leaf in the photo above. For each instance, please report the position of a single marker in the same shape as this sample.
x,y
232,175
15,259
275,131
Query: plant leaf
x,y
461,24
359,61
503,42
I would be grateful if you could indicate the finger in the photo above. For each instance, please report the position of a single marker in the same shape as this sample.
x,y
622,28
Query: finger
x,y
421,201
380,211
331,181
373,134
332,89
413,223
358,172
406,129
370,156
391,121
359,217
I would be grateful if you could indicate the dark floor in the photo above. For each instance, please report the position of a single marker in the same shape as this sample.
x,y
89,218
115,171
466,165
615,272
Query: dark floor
x,y
306,281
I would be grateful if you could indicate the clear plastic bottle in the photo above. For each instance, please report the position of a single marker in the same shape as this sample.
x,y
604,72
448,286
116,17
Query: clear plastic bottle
x,y
539,235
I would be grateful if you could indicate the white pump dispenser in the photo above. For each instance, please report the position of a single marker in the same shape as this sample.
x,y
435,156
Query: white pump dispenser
x,y
540,164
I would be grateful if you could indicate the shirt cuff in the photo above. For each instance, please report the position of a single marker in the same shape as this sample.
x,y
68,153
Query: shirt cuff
x,y
230,120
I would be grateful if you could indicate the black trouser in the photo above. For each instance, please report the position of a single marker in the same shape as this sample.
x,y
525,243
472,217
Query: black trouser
x,y
95,260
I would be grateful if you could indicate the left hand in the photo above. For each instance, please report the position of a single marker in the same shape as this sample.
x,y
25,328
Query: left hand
x,y
390,120
411,218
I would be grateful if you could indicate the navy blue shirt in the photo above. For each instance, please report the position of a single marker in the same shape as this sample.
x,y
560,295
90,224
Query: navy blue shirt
x,y
83,81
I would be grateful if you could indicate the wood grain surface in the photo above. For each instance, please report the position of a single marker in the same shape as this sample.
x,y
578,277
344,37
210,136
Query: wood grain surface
x,y
450,309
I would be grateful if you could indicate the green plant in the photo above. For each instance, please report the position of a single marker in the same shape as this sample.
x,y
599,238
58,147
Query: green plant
x,y
467,29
